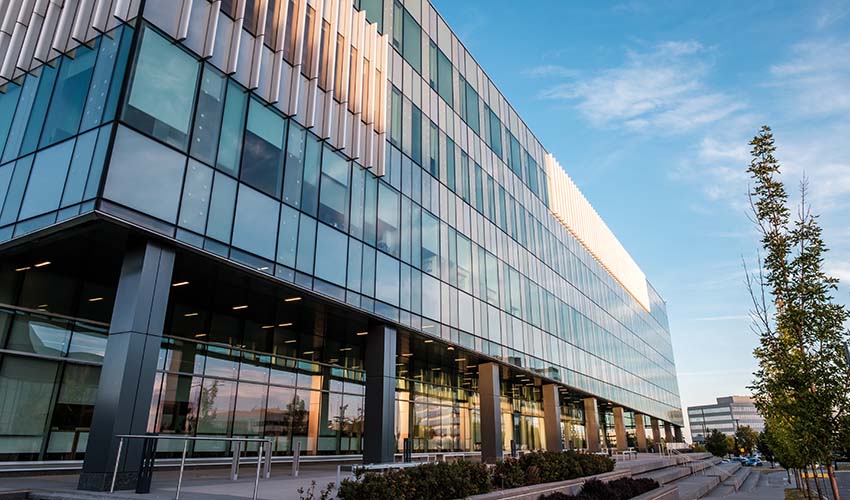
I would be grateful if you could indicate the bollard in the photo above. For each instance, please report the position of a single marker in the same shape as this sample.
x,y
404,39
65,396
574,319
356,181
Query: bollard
x,y
407,452
513,449
234,467
296,459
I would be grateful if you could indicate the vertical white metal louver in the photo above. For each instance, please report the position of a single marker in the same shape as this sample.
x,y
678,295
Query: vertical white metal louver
x,y
575,213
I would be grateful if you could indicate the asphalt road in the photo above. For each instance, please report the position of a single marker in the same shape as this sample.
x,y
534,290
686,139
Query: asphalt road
x,y
843,480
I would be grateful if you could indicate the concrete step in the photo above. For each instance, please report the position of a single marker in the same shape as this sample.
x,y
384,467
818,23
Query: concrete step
x,y
666,475
739,477
722,471
721,491
14,495
751,482
695,487
642,465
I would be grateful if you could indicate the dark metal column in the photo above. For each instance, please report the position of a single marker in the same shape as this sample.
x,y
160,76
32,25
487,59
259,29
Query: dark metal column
x,y
552,418
490,389
668,433
677,434
123,400
591,423
379,413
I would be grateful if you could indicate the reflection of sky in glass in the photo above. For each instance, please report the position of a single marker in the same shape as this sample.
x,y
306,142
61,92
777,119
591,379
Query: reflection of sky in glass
x,y
87,346
46,337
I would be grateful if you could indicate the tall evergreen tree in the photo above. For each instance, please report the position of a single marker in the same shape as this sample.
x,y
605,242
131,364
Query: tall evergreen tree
x,y
801,386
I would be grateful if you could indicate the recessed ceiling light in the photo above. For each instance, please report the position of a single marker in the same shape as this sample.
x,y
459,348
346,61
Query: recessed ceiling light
x,y
199,335
407,354
284,324
190,315
345,349
266,327
95,299
360,334
41,306
292,299
460,359
435,369
428,341
264,268
237,308
290,341
450,348
180,283
333,360
42,264
307,353
23,268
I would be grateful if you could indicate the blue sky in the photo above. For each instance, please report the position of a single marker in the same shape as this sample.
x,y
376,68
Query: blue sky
x,y
649,107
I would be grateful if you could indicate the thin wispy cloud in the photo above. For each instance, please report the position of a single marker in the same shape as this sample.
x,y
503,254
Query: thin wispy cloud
x,y
661,89
816,77
736,317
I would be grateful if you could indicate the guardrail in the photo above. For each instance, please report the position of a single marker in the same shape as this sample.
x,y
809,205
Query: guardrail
x,y
149,444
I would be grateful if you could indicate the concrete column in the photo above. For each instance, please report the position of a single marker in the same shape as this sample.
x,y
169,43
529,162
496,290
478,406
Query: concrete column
x,y
552,418
123,400
489,388
640,431
656,432
677,434
620,429
668,432
591,423
379,406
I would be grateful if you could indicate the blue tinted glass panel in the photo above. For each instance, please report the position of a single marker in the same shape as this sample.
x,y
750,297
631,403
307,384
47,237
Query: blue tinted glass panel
x,y
310,189
44,190
208,115
16,191
97,162
388,220
430,297
5,177
358,180
355,264
412,44
221,208
99,88
330,255
22,114
333,204
386,279
69,96
196,197
416,134
287,240
262,156
8,103
230,145
145,175
430,244
306,244
255,227
295,148
75,185
162,95
40,106
118,74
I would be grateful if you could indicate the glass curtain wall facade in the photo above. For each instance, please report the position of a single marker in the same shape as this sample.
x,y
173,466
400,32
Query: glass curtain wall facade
x,y
454,244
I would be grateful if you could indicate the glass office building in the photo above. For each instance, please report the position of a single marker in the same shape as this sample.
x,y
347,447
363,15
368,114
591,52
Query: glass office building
x,y
316,221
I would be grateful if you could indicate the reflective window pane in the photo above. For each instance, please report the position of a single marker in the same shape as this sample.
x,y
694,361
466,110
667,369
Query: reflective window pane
x,y
387,279
69,95
162,93
334,189
145,175
196,197
26,387
79,170
221,208
208,113
232,125
44,190
388,220
255,226
262,156
40,106
330,255
287,241
295,148
107,55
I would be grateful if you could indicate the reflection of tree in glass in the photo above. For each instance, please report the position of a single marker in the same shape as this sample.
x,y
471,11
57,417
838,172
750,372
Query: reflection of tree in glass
x,y
297,410
208,409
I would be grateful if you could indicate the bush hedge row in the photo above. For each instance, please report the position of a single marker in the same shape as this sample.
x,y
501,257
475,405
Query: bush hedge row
x,y
460,479
619,489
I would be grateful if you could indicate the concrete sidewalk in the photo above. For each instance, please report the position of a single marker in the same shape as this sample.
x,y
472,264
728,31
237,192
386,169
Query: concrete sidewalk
x,y
198,484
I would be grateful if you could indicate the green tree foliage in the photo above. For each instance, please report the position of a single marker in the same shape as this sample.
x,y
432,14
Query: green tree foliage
x,y
765,445
801,386
746,438
715,443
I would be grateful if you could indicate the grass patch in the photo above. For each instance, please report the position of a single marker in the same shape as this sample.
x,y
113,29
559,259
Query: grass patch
x,y
794,494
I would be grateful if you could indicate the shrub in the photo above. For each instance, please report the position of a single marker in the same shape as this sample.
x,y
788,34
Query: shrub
x,y
620,489
438,481
547,467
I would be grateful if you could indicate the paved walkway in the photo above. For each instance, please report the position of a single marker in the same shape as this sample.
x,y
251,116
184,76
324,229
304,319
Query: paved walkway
x,y
201,484
771,486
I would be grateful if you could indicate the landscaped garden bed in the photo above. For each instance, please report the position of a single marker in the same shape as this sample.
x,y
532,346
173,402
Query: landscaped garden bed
x,y
461,479
618,489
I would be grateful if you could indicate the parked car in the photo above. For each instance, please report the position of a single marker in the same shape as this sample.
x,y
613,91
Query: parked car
x,y
753,462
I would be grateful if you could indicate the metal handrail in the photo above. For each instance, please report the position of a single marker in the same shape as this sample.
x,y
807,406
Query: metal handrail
x,y
265,446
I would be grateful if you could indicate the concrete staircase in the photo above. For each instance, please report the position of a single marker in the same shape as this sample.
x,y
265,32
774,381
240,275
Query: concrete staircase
x,y
696,475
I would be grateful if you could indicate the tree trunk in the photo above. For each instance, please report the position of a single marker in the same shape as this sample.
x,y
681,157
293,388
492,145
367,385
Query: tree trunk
x,y
817,481
805,482
830,469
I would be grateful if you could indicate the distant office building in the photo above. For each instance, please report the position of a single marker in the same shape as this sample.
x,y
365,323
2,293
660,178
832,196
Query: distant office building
x,y
726,416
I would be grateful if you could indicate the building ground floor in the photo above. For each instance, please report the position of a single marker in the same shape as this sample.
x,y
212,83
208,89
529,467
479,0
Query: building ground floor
x,y
104,331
